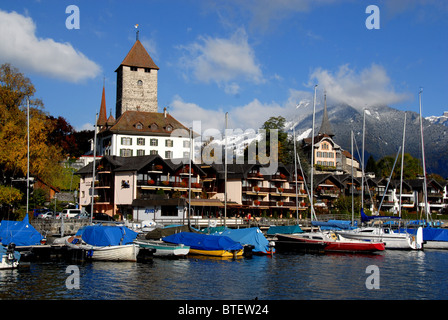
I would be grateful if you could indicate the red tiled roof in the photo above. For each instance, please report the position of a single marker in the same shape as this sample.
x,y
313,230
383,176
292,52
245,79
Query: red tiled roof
x,y
153,123
102,117
139,57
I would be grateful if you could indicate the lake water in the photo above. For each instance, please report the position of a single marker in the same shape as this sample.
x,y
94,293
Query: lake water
x,y
401,275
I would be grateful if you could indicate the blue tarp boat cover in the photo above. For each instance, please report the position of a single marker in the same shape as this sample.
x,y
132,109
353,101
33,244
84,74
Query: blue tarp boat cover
x,y
365,218
284,230
103,236
201,241
248,236
430,234
333,225
22,233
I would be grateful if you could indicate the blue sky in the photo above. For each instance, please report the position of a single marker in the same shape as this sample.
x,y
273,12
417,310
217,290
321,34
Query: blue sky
x,y
252,58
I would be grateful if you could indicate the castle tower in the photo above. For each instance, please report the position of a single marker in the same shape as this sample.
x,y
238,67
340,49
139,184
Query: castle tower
x,y
136,82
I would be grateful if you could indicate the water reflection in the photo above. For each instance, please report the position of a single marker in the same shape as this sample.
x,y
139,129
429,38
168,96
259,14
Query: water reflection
x,y
403,275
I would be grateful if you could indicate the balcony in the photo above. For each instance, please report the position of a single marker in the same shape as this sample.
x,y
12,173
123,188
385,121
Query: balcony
x,y
255,175
279,177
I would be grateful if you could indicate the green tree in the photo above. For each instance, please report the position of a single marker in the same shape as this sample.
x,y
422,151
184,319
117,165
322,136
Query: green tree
x,y
411,169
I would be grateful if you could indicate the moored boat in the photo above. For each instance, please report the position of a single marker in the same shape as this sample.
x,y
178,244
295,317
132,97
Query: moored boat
x,y
285,243
9,257
203,244
107,243
164,249
391,239
249,237
337,244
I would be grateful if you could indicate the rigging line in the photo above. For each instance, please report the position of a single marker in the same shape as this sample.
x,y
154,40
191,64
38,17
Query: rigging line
x,y
313,213
366,181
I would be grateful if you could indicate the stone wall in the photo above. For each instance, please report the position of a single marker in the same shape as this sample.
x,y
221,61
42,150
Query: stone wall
x,y
138,90
49,227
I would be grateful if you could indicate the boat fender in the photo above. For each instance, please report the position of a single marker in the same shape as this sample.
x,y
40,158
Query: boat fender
x,y
333,236
90,253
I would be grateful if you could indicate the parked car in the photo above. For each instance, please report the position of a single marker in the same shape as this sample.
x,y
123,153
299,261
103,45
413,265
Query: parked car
x,y
68,213
46,215
83,215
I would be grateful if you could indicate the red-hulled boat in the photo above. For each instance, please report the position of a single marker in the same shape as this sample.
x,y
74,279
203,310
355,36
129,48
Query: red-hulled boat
x,y
334,243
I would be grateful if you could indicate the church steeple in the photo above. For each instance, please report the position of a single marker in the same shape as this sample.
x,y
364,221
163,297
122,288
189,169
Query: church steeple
x,y
325,127
102,117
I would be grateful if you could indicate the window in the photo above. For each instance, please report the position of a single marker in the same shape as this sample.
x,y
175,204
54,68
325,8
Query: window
x,y
153,152
147,70
154,127
154,142
139,126
126,141
186,155
133,68
140,152
168,143
186,143
169,128
168,154
125,152
139,83
140,141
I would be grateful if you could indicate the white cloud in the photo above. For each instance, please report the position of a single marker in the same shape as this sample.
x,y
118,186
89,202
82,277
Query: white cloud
x,y
223,61
20,46
249,116
370,86
85,126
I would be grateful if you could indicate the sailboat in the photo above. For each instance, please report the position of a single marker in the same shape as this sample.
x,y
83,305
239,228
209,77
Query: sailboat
x,y
433,237
393,239
324,240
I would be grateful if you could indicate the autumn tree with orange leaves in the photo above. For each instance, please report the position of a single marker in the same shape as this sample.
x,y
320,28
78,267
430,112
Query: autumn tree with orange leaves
x,y
15,90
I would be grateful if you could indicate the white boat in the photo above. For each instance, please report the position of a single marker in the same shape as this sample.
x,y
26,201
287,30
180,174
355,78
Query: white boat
x,y
391,239
127,252
164,249
106,243
10,257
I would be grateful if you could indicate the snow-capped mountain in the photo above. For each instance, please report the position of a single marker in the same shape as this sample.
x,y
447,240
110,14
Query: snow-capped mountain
x,y
443,119
384,133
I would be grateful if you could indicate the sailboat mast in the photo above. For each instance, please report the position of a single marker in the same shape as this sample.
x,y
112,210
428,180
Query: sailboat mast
x,y
353,204
225,172
93,169
362,157
402,165
189,178
425,191
312,155
28,155
296,175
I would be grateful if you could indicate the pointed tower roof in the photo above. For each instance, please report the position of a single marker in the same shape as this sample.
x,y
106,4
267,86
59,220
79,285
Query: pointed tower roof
x,y
325,127
139,57
102,117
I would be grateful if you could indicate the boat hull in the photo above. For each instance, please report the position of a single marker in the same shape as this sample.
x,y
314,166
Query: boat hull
x,y
8,263
337,245
289,243
217,253
128,252
164,249
389,242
